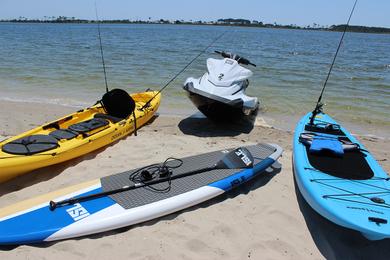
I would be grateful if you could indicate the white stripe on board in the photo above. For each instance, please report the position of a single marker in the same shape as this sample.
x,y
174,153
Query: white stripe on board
x,y
115,216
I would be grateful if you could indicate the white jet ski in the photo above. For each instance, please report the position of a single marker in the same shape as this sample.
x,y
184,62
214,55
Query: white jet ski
x,y
220,93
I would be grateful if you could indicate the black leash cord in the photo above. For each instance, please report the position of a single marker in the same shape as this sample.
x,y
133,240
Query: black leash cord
x,y
154,171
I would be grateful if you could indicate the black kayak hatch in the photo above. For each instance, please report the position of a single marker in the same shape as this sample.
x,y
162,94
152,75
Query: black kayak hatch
x,y
31,145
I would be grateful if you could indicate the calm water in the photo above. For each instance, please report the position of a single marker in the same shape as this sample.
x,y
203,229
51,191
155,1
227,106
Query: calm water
x,y
60,63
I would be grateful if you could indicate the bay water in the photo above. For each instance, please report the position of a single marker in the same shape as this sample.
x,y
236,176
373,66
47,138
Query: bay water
x,y
61,64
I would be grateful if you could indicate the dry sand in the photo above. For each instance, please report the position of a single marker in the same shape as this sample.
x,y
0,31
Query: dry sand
x,y
266,219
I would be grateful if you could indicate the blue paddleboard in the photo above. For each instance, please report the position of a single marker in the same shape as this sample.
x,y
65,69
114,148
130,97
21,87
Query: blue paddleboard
x,y
34,221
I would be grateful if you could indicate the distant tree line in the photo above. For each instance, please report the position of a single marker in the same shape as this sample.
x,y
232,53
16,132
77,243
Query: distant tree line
x,y
223,22
361,29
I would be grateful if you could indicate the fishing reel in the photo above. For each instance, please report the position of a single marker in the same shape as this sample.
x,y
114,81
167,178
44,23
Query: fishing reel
x,y
317,110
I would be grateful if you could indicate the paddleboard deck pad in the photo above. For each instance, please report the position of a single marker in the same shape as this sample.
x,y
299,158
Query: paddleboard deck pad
x,y
32,221
343,183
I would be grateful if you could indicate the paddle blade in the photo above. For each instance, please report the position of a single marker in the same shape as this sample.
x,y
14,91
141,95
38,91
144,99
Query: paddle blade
x,y
236,159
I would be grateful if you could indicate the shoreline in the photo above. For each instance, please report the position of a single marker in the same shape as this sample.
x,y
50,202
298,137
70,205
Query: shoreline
x,y
20,121
274,120
339,27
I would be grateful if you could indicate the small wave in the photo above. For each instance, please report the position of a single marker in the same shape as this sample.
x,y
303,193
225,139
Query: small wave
x,y
366,78
54,101
377,67
27,78
372,137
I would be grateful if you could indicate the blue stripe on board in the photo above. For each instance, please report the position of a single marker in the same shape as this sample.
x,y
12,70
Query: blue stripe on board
x,y
242,176
37,225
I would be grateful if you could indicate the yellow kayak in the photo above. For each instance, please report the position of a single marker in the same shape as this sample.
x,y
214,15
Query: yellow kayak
x,y
76,134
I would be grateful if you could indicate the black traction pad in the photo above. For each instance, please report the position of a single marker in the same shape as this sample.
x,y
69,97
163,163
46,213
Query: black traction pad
x,y
143,196
31,145
106,116
89,125
66,134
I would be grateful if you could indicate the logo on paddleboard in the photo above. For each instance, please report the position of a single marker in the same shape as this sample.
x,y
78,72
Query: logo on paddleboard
x,y
221,76
78,212
243,157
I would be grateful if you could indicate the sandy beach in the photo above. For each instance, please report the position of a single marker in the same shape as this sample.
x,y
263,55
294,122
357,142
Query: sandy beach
x,y
265,219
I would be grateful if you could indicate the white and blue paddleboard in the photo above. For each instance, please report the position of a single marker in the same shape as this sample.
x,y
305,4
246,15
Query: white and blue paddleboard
x,y
340,179
32,221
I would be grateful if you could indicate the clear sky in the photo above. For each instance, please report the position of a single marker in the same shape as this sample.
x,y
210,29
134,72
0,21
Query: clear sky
x,y
300,12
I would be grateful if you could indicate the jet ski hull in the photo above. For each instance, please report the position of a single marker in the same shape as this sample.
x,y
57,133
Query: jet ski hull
x,y
218,109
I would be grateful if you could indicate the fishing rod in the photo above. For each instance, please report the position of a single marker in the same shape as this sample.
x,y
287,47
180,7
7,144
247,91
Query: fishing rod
x,y
183,69
101,48
319,105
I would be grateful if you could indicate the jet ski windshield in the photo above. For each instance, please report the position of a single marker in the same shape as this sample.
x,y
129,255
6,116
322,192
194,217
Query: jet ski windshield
x,y
225,72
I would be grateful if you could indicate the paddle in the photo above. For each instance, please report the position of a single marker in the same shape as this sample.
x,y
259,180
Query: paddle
x,y
236,159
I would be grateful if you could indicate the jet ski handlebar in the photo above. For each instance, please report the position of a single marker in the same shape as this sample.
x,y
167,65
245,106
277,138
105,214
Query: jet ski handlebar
x,y
236,57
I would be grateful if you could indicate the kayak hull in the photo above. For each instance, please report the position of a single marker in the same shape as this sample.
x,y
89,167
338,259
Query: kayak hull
x,y
12,165
338,199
